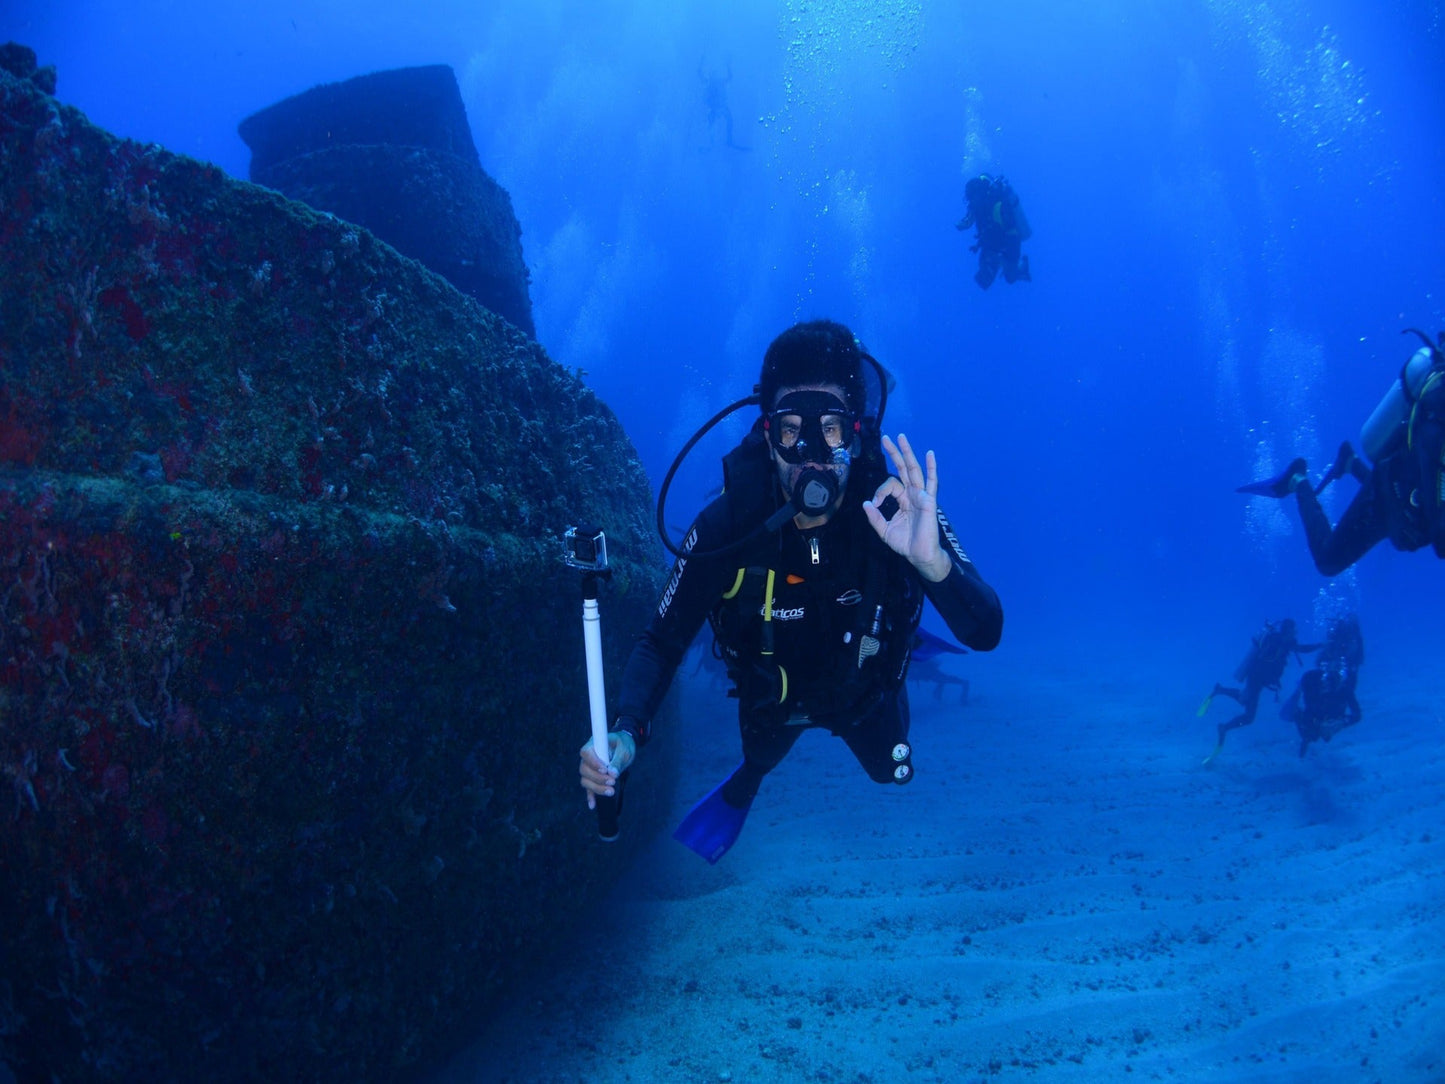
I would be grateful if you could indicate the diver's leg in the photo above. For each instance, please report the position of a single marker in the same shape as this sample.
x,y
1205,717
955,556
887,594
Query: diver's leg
x,y
1353,714
1250,700
1224,728
987,268
880,740
1346,714
1308,725
766,741
1308,716
1336,549
1011,270
1233,694
1249,697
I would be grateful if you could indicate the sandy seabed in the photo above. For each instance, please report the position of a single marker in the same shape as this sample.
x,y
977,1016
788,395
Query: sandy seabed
x,y
1063,894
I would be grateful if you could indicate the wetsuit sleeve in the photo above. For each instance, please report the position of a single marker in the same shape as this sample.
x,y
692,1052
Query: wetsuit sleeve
x,y
968,605
692,591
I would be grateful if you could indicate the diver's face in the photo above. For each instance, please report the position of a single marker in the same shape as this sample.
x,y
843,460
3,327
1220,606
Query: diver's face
x,y
810,429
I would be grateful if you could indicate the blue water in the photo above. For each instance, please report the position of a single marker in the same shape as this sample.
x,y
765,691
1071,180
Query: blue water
x,y
1237,206
1236,209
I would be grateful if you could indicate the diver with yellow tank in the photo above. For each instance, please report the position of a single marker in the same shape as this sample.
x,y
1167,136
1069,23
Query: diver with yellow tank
x,y
1402,488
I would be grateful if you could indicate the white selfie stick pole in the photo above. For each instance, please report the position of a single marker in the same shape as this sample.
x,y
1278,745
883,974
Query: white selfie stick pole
x,y
596,691
588,552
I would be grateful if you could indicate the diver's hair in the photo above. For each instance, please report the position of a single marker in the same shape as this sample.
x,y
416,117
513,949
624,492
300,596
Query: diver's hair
x,y
815,352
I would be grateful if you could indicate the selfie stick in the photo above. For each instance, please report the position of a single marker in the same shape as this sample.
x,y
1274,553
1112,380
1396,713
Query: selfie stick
x,y
607,808
594,569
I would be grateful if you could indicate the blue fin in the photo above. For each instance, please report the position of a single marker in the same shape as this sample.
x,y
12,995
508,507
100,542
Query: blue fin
x,y
713,825
928,646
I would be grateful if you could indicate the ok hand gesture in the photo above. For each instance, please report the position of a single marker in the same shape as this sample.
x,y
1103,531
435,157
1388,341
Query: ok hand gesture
x,y
913,530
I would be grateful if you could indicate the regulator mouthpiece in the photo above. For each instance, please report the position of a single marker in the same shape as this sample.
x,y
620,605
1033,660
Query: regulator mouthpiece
x,y
815,491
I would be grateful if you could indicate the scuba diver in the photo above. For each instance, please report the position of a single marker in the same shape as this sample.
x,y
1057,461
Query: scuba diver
x,y
1262,668
1402,495
715,97
811,567
925,665
994,208
1324,702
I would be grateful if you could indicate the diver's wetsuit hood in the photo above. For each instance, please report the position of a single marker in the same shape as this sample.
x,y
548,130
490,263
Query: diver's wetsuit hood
x,y
815,490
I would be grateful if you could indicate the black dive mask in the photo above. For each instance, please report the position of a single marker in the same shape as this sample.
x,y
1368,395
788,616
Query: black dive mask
x,y
812,427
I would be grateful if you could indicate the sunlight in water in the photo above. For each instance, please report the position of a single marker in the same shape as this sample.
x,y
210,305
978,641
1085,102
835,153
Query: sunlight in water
x,y
1316,94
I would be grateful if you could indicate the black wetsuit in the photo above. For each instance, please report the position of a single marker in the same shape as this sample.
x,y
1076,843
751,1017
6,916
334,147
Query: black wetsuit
x,y
1325,701
1261,670
1401,498
825,582
1002,229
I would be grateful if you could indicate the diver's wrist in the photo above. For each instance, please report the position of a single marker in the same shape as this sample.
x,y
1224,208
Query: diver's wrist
x,y
626,751
634,728
937,570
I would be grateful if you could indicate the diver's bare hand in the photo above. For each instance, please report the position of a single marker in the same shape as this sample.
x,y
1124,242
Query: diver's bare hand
x,y
913,530
599,778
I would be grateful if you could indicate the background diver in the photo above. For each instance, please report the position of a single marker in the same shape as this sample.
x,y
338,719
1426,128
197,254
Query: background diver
x,y
1262,669
925,666
1324,702
1402,495
995,211
812,568
715,98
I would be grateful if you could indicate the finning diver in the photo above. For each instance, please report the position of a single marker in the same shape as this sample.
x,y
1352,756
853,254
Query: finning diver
x,y
1262,668
1402,490
715,97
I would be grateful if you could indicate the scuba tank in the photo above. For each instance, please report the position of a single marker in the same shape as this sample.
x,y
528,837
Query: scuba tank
x,y
1386,425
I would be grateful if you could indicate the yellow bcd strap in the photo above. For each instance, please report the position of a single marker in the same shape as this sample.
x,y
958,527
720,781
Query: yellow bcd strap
x,y
767,644
768,615
1425,390
737,584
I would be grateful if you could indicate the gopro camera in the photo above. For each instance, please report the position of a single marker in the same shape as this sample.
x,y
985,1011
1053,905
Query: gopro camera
x,y
586,548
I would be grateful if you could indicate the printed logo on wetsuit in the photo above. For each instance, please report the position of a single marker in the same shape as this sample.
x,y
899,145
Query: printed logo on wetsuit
x,y
792,613
666,601
850,597
952,538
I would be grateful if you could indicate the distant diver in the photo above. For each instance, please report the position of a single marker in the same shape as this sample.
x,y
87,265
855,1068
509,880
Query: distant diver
x,y
924,665
1001,228
1262,668
715,97
1324,703
1402,495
